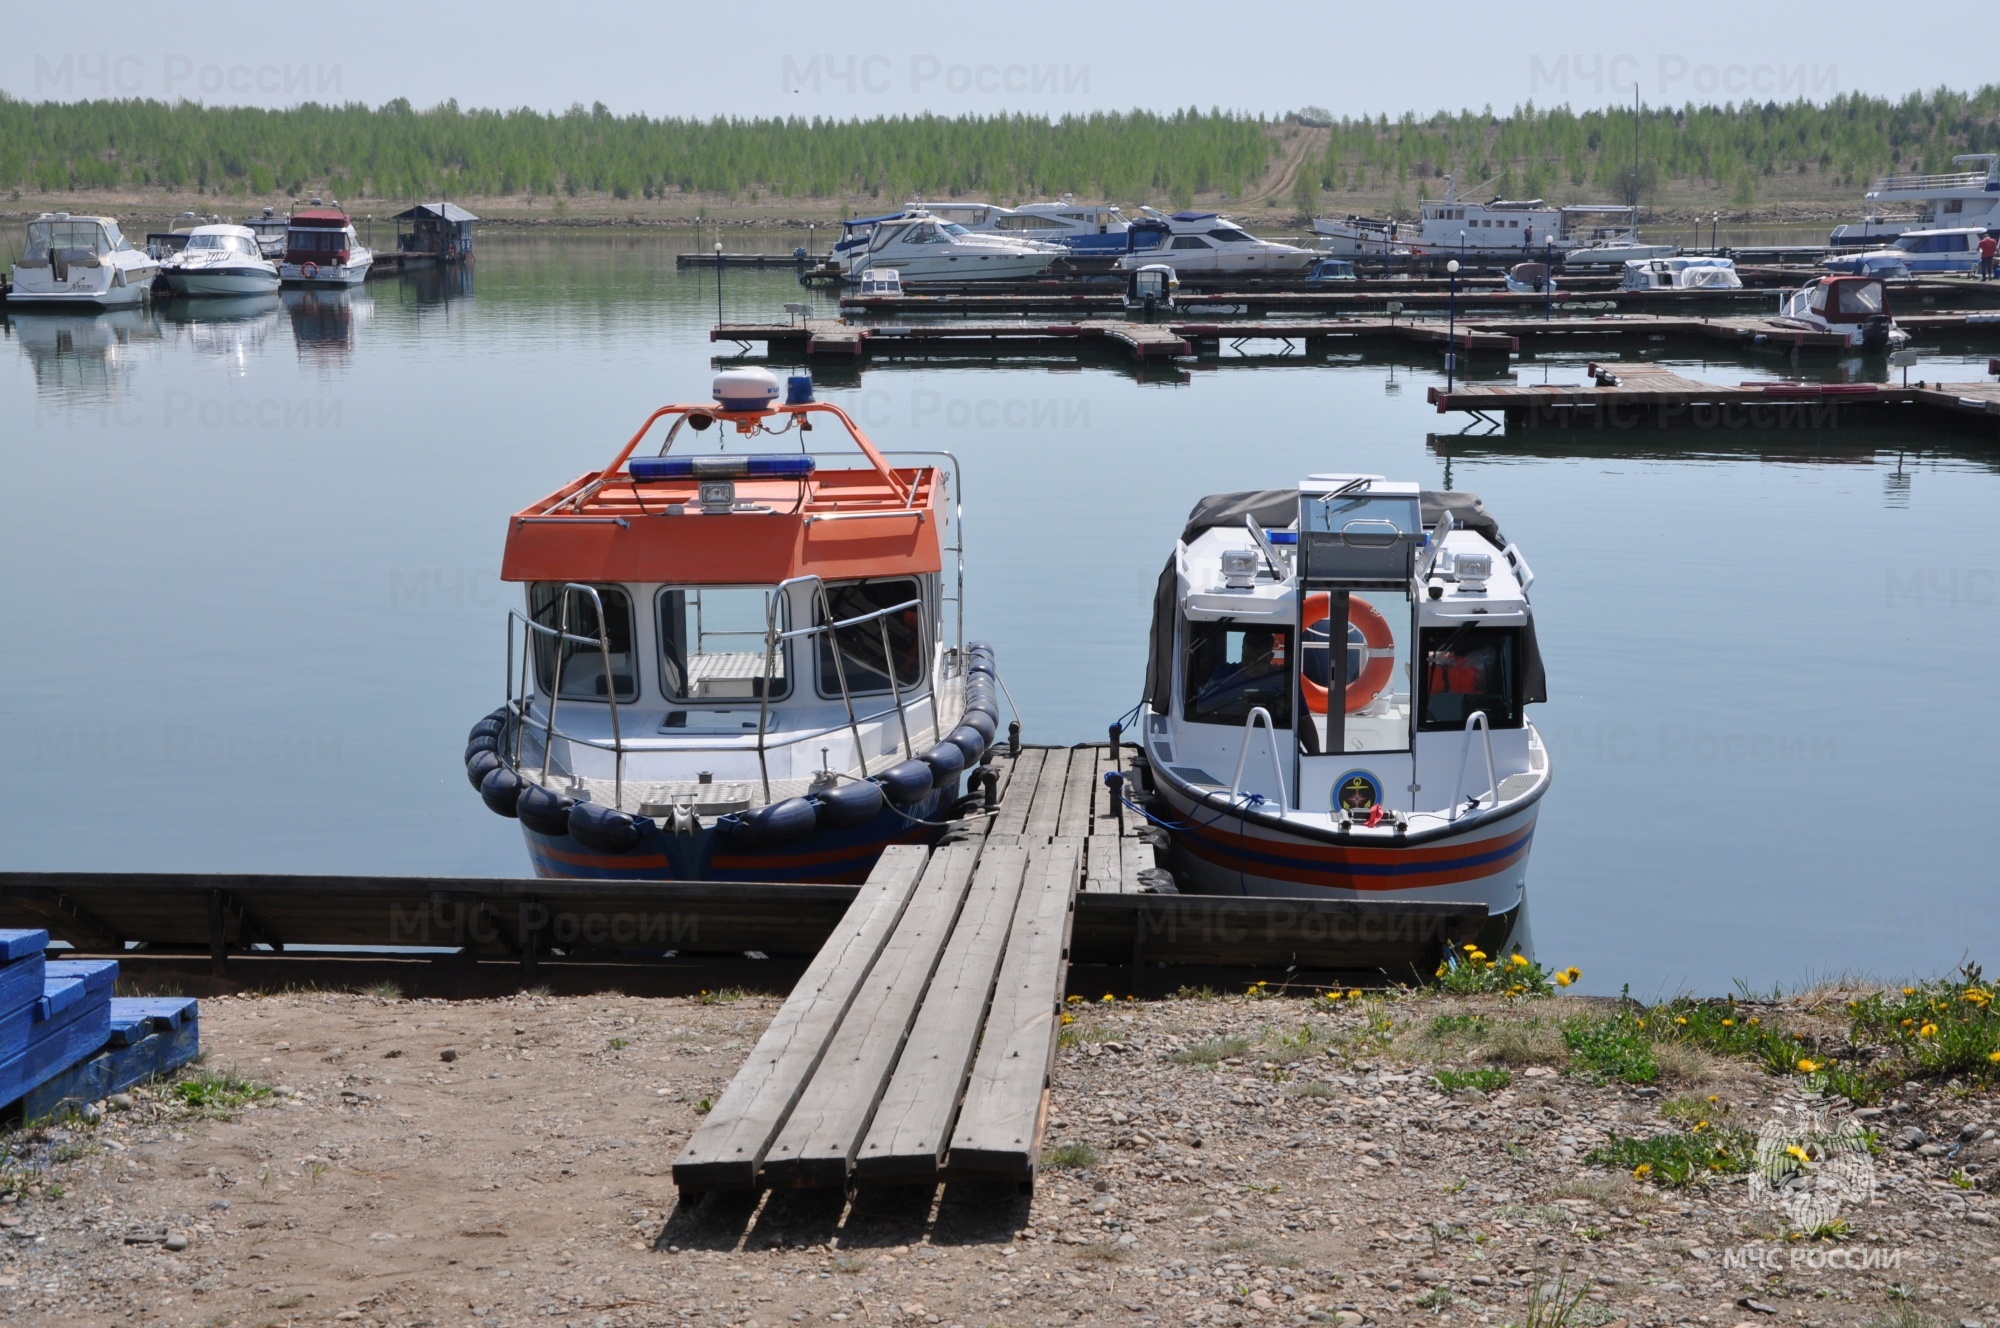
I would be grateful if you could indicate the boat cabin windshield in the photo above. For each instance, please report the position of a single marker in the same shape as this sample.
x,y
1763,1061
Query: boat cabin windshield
x,y
861,643
1230,669
237,244
580,666
712,644
1471,668
73,240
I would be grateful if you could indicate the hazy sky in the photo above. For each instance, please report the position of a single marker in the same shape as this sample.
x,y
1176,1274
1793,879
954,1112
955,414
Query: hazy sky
x,y
845,60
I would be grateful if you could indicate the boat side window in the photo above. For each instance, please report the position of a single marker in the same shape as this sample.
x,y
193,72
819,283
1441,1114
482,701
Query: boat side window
x,y
583,665
1467,669
1190,242
712,644
860,644
38,242
1863,297
1229,235
1817,300
1228,669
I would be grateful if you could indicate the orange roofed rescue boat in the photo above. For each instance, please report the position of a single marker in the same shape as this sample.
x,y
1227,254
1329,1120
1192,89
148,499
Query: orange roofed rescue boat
x,y
738,666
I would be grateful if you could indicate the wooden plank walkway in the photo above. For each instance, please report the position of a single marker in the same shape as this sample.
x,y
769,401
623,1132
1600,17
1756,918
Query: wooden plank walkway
x,y
814,337
1623,396
932,992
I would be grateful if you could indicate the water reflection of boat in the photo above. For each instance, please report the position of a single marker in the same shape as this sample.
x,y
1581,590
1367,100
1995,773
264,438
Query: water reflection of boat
x,y
234,325
323,320
80,355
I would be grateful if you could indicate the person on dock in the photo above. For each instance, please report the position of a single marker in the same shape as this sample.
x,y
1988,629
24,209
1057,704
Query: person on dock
x,y
1527,238
1988,243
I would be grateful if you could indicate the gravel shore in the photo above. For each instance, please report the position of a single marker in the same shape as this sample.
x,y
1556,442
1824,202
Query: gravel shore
x,y
1212,1160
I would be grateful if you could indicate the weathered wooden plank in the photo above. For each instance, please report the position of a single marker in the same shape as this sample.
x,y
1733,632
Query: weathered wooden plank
x,y
1045,808
906,1141
818,1143
999,1130
726,1152
1073,822
1018,793
1103,863
1136,855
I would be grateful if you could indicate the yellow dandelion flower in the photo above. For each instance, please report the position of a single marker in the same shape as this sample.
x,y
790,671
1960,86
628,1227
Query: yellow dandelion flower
x,y
1076,1000
1793,1150
1643,1170
1909,991
1927,1031
1808,1067
1715,1097
1754,1021
1518,960
1993,1056
1562,979
1700,1125
1069,1018
1574,972
1109,999
1907,1022
1681,1020
1729,1023
1354,995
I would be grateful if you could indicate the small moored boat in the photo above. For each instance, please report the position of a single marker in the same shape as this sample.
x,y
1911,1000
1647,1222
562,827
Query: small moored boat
x,y
1336,699
220,260
738,665
321,249
80,261
1856,308
1681,274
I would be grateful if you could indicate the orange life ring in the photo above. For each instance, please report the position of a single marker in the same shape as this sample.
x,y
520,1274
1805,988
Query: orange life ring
x,y
309,271
1378,664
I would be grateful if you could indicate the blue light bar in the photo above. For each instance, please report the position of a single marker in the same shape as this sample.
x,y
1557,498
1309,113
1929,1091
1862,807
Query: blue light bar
x,y
716,466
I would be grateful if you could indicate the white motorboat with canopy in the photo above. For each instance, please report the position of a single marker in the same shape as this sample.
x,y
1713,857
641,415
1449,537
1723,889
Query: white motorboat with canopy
x,y
79,260
923,248
221,260
1337,693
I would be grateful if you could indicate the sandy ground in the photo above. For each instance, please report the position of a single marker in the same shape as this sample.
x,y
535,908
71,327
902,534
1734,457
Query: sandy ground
x,y
1217,1161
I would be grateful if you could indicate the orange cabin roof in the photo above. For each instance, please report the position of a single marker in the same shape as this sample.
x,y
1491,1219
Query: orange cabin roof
x,y
868,521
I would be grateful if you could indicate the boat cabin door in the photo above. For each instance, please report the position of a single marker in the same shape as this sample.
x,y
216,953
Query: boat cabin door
x,y
1356,630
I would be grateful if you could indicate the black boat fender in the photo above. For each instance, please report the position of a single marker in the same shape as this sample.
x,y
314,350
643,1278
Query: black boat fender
x,y
543,810
945,760
906,782
854,803
481,764
984,721
501,789
968,740
603,830
778,823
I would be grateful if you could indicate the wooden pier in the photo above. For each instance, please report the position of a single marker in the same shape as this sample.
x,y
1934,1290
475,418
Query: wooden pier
x,y
1628,396
925,1004
813,338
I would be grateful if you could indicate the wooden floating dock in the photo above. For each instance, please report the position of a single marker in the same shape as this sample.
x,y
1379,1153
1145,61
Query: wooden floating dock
x,y
813,338
709,261
917,1040
1644,396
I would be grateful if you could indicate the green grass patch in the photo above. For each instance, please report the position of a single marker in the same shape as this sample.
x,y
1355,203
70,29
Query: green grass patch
x,y
1679,1158
216,1092
1196,993
1614,1049
1445,1027
1487,1080
1070,1157
1211,1051
724,996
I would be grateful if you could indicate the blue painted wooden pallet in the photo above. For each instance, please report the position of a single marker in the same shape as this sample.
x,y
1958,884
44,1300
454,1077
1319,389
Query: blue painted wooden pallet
x,y
19,943
148,1037
66,1022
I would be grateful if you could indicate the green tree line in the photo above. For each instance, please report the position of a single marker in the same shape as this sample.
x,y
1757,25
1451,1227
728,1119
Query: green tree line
x,y
397,151
1560,152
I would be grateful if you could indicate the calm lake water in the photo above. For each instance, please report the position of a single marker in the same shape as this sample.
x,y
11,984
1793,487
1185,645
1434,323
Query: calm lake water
x,y
256,606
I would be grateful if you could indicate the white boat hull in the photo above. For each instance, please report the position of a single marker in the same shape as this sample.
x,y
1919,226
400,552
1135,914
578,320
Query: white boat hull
x,y
968,267
351,273
81,292
1224,854
240,281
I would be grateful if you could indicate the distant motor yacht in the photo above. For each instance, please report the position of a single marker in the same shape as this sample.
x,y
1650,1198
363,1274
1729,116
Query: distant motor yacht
x,y
1091,229
921,247
1206,242
1917,201
1952,249
321,249
221,260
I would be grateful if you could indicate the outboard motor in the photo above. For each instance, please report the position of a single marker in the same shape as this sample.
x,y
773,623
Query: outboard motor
x,y
1875,331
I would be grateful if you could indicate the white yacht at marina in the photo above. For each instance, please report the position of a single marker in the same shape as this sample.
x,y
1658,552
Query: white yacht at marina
x,y
1457,225
1917,252
1336,699
1918,201
1206,242
220,261
1088,229
80,260
921,247
321,249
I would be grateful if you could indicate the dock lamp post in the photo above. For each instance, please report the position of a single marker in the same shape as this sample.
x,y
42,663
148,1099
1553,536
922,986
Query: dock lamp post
x,y
718,283
1451,336
1714,225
